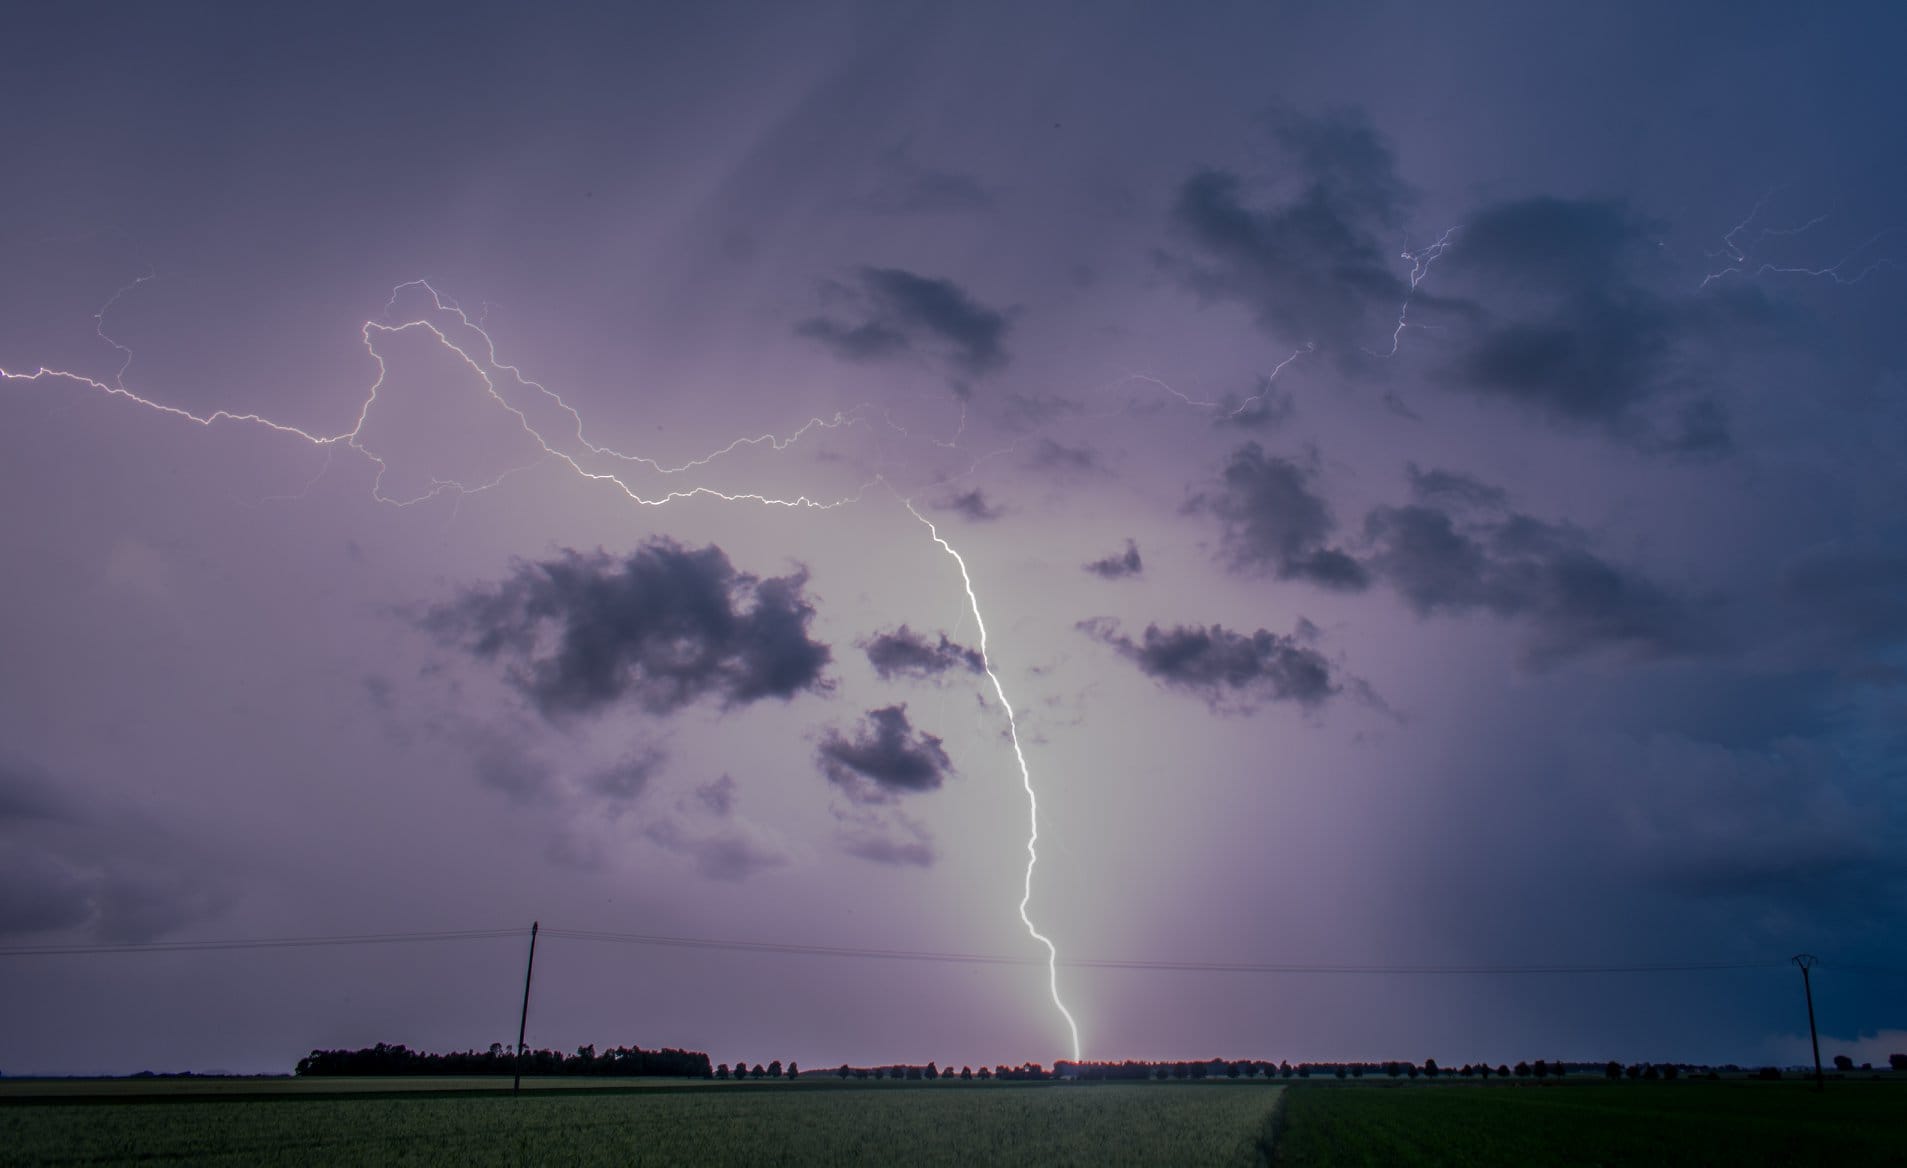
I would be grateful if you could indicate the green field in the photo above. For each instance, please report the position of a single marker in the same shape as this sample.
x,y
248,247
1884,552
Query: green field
x,y
826,1121
811,1122
1690,1123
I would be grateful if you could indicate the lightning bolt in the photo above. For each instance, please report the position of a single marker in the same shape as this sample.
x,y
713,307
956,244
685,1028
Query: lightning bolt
x,y
1420,261
1026,780
481,359
1743,264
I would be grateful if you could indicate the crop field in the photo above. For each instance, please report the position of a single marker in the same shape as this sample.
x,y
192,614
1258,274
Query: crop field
x,y
1692,1123
792,1124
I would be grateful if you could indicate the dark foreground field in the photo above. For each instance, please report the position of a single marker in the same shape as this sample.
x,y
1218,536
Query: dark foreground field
x,y
1690,1123
827,1122
819,1123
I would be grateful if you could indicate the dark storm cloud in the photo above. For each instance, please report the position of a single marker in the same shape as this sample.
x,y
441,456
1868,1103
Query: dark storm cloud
x,y
1318,267
906,653
1452,489
1514,565
1231,671
64,864
888,757
663,627
1860,596
1566,318
901,312
972,505
1273,521
1117,565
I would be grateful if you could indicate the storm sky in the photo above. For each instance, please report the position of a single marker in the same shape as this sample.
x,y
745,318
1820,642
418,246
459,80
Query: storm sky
x,y
1430,475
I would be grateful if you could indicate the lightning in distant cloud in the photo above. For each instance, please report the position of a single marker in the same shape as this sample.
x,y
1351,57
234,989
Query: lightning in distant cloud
x,y
1741,262
1420,261
480,357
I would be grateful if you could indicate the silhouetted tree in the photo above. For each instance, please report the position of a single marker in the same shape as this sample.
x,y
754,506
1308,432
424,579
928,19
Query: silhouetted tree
x,y
1843,1063
843,1072
1522,1070
1503,1070
1897,1061
984,1073
966,1074
933,1070
721,1072
1612,1069
1540,1068
1430,1067
774,1069
756,1073
794,1070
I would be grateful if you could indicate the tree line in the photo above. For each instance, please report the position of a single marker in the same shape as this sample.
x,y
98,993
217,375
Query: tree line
x,y
388,1059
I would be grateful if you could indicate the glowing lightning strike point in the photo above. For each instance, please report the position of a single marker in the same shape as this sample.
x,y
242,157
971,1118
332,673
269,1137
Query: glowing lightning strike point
x,y
1026,779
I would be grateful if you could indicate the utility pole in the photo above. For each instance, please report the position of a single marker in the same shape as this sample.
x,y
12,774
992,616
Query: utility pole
x,y
523,1019
1806,962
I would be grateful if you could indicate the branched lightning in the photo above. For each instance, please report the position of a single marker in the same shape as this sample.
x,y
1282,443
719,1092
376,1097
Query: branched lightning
x,y
1026,778
481,359
1740,261
1420,261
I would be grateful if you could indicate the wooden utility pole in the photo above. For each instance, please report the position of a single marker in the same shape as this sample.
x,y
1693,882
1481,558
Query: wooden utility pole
x,y
1806,962
523,1019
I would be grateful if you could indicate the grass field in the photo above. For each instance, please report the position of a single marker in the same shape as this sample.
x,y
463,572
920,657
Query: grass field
x,y
1692,1123
803,1123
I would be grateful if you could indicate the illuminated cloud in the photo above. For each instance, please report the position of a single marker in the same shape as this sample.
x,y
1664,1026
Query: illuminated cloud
x,y
901,312
1316,266
888,757
1118,565
662,627
1272,521
905,653
1233,672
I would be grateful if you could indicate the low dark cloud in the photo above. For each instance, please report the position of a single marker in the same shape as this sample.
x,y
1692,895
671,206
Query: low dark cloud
x,y
897,312
1513,565
663,627
1273,521
65,864
1569,313
887,758
973,505
1231,671
1317,265
1858,596
1118,565
905,653
1453,490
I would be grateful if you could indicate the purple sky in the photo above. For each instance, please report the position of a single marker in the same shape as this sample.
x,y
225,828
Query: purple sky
x,y
1431,483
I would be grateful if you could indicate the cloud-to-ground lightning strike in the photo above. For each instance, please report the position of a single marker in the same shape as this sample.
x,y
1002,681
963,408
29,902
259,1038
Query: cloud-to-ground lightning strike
x,y
486,369
1026,779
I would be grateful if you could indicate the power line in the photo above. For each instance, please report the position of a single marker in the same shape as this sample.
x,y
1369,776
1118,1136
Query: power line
x,y
881,954
1113,963
256,943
